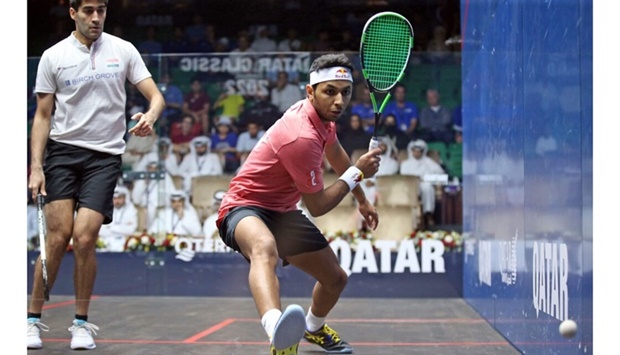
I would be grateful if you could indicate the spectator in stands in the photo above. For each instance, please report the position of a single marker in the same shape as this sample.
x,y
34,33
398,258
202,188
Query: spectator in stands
x,y
136,148
150,44
273,71
244,44
198,103
124,223
262,111
213,242
174,101
195,31
419,164
247,140
164,153
178,217
389,164
285,94
230,104
263,42
347,41
146,192
435,120
322,42
208,41
224,143
177,44
388,129
363,108
292,42
200,161
406,111
354,137
183,132
437,50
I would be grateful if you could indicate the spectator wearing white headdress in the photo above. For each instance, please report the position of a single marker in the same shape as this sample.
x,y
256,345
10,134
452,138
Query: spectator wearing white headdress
x,y
124,221
150,191
200,161
388,165
419,164
165,153
212,241
179,217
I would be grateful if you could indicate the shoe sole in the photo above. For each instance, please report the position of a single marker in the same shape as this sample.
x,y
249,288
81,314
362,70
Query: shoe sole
x,y
290,327
83,347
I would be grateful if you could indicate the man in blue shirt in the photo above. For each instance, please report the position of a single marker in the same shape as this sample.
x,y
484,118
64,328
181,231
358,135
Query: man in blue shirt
x,y
406,112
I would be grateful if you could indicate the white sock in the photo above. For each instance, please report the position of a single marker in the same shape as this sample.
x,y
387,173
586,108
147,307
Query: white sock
x,y
313,323
269,321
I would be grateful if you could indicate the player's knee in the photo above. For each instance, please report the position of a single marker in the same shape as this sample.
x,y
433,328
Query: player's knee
x,y
338,281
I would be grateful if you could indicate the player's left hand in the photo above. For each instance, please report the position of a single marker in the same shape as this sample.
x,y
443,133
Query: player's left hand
x,y
144,127
369,212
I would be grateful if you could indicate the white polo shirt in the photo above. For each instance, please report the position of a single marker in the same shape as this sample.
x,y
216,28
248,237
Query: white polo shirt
x,y
89,88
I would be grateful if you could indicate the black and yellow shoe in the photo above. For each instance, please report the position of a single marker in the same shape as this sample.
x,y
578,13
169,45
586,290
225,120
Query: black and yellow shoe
x,y
288,331
288,351
329,340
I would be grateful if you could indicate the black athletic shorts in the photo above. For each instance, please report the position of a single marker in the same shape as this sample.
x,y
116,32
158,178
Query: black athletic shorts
x,y
87,176
293,231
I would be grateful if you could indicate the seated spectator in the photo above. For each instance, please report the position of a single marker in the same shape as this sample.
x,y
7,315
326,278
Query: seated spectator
x,y
173,95
247,140
263,42
388,129
198,103
389,165
231,105
177,44
262,111
292,42
406,112
213,242
150,45
124,221
136,148
244,44
146,192
437,50
178,217
285,94
224,143
419,164
435,120
199,161
364,109
353,136
164,153
183,132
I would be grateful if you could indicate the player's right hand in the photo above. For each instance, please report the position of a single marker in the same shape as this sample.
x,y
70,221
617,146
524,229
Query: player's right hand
x,y
369,162
36,182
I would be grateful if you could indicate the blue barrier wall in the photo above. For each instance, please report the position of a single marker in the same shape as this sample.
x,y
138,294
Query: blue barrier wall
x,y
527,117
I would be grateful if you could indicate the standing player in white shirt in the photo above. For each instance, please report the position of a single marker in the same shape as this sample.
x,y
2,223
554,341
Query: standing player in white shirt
x,y
77,134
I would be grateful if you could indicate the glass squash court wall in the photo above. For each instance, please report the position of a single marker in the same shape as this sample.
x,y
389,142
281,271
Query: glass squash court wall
x,y
527,117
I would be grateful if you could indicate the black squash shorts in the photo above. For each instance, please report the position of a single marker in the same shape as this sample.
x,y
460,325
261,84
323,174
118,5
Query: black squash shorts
x,y
294,232
87,176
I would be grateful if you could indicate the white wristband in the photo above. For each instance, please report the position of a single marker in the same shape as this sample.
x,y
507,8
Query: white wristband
x,y
352,177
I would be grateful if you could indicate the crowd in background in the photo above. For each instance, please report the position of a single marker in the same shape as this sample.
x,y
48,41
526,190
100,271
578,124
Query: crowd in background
x,y
201,134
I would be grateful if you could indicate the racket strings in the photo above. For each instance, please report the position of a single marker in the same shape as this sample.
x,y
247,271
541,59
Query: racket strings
x,y
387,44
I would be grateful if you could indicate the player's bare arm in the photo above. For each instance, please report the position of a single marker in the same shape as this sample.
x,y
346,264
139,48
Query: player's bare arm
x,y
149,89
38,141
340,162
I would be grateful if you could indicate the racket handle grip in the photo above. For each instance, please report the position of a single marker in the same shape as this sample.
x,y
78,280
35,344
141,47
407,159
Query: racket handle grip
x,y
374,143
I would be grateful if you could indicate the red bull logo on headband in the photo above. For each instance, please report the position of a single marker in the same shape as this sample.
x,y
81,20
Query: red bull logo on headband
x,y
334,73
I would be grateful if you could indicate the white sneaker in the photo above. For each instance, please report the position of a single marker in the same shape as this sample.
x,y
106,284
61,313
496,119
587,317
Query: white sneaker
x,y
82,335
34,327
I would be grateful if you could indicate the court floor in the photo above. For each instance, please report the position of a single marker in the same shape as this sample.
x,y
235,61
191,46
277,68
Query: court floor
x,y
135,325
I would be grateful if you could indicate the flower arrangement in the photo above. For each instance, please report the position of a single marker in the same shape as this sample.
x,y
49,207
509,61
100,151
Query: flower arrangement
x,y
146,242
451,240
